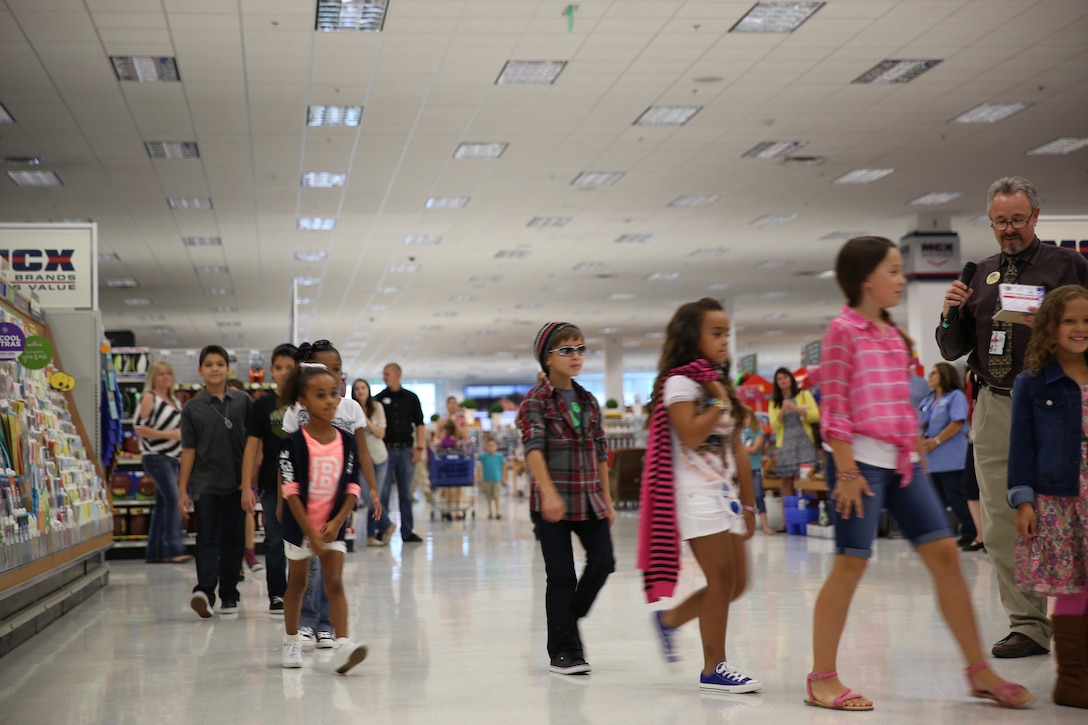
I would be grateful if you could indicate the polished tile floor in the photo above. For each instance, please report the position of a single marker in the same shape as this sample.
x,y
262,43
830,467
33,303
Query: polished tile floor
x,y
456,633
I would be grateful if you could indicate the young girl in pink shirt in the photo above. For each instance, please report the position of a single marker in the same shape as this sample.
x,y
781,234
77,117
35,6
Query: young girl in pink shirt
x,y
871,431
318,465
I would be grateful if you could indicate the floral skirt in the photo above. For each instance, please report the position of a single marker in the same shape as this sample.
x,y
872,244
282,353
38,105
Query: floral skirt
x,y
1056,560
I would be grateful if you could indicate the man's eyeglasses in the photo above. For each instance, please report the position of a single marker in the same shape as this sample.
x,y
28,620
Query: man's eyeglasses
x,y
568,350
1015,224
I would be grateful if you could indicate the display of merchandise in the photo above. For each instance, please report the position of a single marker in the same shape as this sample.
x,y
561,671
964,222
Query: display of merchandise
x,y
51,496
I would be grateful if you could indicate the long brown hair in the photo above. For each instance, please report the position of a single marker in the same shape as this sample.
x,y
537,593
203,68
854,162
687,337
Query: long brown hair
x,y
858,259
682,347
1043,347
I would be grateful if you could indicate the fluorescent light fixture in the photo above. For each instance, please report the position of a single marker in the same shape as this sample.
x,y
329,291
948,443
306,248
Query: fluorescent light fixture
x,y
162,330
463,298
772,149
423,239
145,68
513,253
5,117
122,282
333,115
528,305
170,341
446,202
446,313
634,238
708,252
1059,146
316,224
718,286
935,198
622,296
826,274
597,178
335,16
694,200
307,281
34,178
202,241
772,220
895,71
611,330
774,333
775,17
233,336
661,276
323,179
219,291
151,317
104,256
224,309
590,266
313,255
485,279
18,160
530,72
632,343
851,233
774,295
189,202
771,264
390,290
211,269
863,176
480,150
990,112
667,115
172,149
404,268
377,308
228,323
71,220
305,300
541,222
775,316
137,302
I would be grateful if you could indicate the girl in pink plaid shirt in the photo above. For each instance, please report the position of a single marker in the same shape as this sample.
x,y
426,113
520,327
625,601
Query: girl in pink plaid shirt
x,y
872,434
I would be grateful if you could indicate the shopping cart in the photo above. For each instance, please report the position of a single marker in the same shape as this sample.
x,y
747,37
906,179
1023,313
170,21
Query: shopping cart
x,y
453,483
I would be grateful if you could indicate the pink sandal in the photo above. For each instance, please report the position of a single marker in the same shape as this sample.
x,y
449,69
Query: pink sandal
x,y
1002,694
840,700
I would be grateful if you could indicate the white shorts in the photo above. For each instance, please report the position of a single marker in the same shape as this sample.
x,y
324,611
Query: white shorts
x,y
301,553
703,511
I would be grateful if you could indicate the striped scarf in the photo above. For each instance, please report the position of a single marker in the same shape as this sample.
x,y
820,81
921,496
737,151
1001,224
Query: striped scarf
x,y
658,534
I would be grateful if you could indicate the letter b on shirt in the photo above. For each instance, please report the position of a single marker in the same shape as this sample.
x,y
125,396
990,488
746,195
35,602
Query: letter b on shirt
x,y
326,476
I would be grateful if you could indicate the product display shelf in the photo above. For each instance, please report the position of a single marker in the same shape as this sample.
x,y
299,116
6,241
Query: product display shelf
x,y
55,512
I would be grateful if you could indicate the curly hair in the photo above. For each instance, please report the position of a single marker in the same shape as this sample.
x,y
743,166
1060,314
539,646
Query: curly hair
x,y
682,347
1043,347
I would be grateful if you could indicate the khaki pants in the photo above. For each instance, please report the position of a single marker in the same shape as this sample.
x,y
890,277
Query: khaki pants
x,y
992,423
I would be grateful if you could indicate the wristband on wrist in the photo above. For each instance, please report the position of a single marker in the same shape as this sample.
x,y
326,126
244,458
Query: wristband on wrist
x,y
749,508
716,403
847,475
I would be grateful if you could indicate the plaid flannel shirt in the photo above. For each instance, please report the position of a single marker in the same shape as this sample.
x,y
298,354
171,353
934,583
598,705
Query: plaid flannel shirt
x,y
573,460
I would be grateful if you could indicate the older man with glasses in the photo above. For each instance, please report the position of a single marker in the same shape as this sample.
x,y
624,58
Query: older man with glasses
x,y
995,353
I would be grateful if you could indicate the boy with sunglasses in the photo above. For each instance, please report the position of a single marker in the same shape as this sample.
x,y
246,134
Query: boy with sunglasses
x,y
565,452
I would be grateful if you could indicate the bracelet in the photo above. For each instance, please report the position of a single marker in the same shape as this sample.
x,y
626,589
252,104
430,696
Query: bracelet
x,y
715,402
938,440
850,475
752,509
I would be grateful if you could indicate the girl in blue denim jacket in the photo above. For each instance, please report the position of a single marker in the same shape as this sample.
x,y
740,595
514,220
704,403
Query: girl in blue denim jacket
x,y
1048,479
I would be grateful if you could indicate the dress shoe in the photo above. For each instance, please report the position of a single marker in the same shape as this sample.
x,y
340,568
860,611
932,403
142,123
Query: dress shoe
x,y
1017,645
974,546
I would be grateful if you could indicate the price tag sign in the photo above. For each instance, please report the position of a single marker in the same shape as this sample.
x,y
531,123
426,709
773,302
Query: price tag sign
x,y
12,341
38,353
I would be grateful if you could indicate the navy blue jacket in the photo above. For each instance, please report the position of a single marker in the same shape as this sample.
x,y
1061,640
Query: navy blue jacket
x,y
295,466
1047,430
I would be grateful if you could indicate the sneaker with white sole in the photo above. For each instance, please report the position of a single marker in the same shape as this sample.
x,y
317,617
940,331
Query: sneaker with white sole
x,y
726,678
201,605
325,640
306,636
567,663
292,652
275,606
347,655
665,637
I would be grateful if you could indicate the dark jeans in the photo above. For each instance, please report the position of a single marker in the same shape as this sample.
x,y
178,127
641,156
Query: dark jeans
x,y
950,485
315,602
401,471
569,598
372,526
220,537
275,563
164,537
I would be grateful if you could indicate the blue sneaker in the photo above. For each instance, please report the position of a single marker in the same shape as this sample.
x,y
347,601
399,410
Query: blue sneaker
x,y
665,637
727,679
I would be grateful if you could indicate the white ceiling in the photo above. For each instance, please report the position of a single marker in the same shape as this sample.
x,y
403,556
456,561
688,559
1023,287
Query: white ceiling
x,y
250,68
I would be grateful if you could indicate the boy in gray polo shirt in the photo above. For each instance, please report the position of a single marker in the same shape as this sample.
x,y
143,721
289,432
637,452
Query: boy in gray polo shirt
x,y
213,430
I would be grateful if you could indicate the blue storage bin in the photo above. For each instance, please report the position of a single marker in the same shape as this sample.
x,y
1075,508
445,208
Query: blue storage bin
x,y
797,520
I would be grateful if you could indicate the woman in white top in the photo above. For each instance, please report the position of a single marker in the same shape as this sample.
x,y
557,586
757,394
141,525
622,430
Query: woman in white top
x,y
378,532
157,426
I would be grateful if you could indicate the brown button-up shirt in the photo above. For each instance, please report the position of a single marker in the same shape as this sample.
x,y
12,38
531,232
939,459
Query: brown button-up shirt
x,y
1043,265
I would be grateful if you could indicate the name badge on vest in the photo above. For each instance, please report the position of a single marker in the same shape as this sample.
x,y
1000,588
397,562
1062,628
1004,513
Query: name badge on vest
x,y
997,342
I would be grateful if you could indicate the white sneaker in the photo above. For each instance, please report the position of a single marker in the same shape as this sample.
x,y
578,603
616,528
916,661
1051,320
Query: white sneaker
x,y
347,655
292,653
306,637
201,605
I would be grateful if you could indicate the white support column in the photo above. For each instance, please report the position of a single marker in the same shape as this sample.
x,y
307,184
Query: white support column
x,y
613,367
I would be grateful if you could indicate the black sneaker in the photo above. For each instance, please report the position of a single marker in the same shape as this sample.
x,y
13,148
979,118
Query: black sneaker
x,y
275,606
569,664
412,538
229,606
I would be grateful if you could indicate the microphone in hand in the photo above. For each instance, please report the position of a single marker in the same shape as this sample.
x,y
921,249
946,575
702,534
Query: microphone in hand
x,y
965,277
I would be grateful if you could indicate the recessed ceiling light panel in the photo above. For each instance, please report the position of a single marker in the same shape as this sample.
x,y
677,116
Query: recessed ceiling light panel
x,y
480,150
312,255
172,149
990,112
316,224
446,202
34,178
224,309
667,115
189,202
530,72
863,176
307,281
423,239
1059,146
137,302
145,69
693,200
513,253
634,238
597,178
771,264
211,269
661,276
107,256
935,198
772,220
122,282
333,115
367,16
202,241
772,149
848,234
323,179
220,291
404,268
895,71
775,17
708,252
541,222
590,266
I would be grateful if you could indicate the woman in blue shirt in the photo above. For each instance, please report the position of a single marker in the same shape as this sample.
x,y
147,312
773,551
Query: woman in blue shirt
x,y
943,414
